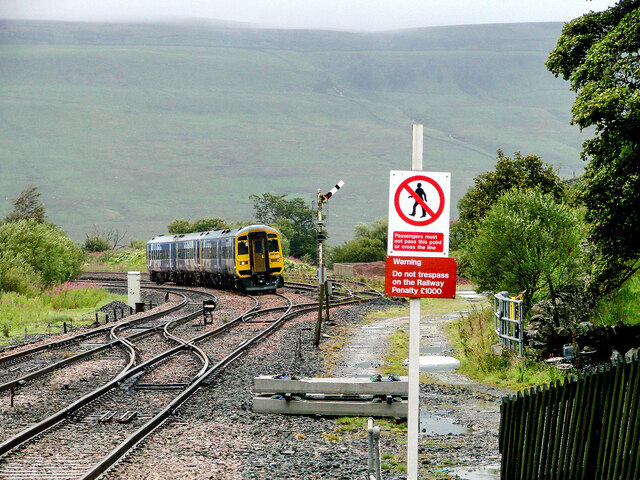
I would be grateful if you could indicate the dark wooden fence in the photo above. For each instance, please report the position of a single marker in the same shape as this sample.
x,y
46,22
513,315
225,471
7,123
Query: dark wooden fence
x,y
582,428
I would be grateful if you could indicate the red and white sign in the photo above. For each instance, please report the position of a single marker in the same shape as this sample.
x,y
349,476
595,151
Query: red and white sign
x,y
419,213
420,277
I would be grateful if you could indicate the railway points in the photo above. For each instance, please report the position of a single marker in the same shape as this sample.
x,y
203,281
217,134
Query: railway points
x,y
146,384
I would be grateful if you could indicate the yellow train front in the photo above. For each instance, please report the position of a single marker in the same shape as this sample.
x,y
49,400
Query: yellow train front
x,y
255,263
248,258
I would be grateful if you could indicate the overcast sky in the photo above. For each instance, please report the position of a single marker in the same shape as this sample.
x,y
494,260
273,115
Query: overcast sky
x,y
360,15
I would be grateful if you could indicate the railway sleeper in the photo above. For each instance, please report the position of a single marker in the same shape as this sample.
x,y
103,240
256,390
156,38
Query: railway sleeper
x,y
106,417
127,416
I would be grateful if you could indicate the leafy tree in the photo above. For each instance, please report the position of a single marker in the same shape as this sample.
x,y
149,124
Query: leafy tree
x,y
273,209
528,243
180,225
518,172
359,250
369,244
599,54
378,230
44,247
27,206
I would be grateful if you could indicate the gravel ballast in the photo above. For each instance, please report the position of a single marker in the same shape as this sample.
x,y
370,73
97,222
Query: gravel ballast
x,y
217,436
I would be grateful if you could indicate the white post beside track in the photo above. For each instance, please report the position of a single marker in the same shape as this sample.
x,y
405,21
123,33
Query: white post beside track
x,y
414,345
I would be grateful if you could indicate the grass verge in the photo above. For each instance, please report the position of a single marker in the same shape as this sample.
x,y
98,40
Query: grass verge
x,y
472,336
71,303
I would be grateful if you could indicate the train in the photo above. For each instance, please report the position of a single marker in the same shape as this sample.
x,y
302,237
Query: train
x,y
248,259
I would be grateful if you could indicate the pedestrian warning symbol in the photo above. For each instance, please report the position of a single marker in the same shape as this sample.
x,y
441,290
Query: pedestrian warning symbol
x,y
419,213
413,189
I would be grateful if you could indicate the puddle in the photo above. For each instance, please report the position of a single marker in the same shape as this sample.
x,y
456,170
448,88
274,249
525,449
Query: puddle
x,y
438,363
489,472
363,365
430,350
432,425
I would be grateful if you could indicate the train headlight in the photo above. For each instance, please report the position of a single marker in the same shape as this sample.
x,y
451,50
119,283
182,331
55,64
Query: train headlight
x,y
244,262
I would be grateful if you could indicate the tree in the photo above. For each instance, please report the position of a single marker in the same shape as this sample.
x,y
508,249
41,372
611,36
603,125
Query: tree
x,y
599,54
272,209
518,172
369,244
180,225
528,243
43,247
27,206
101,240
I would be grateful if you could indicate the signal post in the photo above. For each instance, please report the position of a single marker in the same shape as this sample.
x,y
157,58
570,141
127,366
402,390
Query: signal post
x,y
322,272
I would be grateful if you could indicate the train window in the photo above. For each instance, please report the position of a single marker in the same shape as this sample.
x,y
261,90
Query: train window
x,y
257,247
243,247
273,245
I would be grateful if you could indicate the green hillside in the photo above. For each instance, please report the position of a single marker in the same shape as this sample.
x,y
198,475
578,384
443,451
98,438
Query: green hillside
x,y
131,126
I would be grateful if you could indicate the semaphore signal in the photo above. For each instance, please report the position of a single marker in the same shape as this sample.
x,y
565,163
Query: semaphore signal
x,y
332,192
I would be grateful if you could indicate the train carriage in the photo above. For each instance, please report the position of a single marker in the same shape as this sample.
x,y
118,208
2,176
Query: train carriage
x,y
161,257
248,258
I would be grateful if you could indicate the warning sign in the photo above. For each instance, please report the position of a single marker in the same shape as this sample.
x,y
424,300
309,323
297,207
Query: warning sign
x,y
419,213
420,277
414,187
418,241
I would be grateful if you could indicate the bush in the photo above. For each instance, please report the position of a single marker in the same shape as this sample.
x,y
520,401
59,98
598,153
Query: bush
x,y
71,295
43,247
96,244
358,250
526,243
293,266
137,244
17,276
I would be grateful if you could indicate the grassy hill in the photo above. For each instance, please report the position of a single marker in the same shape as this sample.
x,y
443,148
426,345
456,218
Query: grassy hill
x,y
130,126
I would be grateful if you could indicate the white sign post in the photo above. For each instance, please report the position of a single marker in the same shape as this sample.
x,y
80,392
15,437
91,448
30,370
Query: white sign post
x,y
414,343
418,228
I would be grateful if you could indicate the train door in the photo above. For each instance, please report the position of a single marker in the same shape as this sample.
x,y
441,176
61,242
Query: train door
x,y
258,252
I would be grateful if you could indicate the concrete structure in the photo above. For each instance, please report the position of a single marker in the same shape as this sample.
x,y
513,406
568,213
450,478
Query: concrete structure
x,y
330,396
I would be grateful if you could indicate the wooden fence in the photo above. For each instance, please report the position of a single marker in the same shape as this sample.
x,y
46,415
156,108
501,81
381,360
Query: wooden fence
x,y
583,428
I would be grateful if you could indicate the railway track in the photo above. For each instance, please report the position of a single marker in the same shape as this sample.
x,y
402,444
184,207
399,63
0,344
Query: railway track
x,y
111,419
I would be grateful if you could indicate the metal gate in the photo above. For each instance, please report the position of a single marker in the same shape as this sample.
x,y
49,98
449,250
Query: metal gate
x,y
508,321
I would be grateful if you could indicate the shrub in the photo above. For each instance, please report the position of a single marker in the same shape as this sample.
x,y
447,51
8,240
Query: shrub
x,y
96,243
137,244
44,247
18,276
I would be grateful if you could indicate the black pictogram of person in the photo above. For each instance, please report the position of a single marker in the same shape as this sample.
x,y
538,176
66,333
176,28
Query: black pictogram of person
x,y
422,195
